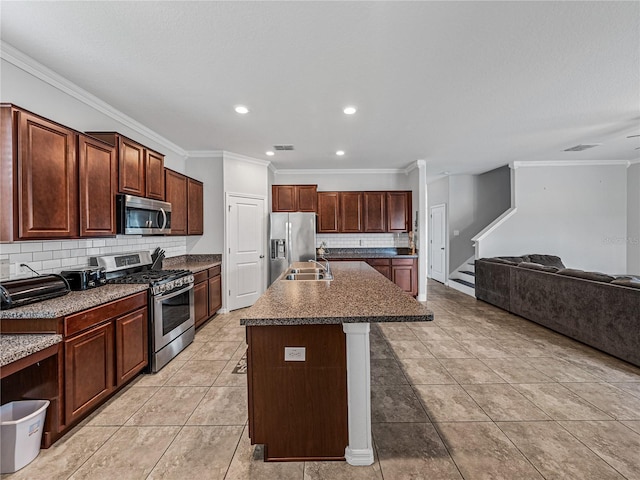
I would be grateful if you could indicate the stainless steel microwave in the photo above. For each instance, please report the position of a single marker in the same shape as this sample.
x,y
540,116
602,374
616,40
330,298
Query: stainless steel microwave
x,y
142,216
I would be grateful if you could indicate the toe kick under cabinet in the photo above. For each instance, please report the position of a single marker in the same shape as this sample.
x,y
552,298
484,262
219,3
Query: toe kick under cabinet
x,y
103,348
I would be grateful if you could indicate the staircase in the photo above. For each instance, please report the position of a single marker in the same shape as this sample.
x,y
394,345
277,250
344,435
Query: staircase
x,y
463,278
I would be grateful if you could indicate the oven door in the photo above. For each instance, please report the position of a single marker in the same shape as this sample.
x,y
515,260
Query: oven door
x,y
173,314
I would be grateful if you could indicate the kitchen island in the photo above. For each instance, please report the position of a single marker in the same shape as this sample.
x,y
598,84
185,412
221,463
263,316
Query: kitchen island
x,y
308,362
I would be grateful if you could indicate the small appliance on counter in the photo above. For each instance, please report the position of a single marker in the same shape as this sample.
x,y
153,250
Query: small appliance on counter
x,y
85,278
15,293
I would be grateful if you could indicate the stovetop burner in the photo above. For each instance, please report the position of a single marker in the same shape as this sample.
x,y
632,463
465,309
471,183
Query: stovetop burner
x,y
152,277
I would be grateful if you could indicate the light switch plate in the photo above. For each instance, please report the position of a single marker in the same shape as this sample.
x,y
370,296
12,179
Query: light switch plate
x,y
294,354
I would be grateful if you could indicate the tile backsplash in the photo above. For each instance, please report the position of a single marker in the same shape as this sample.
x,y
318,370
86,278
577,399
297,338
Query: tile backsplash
x,y
53,256
378,240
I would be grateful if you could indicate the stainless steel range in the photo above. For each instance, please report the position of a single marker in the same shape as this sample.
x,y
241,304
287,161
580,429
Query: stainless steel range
x,y
171,306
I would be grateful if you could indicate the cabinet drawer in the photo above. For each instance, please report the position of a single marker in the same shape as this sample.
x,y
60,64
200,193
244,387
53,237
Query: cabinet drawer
x,y
213,271
402,261
82,320
200,276
379,261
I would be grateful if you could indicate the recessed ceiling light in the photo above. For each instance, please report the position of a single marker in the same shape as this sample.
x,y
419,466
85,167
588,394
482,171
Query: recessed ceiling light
x,y
270,153
340,153
241,109
350,110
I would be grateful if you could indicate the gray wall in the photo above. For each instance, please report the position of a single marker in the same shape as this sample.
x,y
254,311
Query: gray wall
x,y
633,219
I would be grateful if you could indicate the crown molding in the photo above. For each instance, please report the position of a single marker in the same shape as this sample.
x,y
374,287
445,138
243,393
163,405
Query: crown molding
x,y
205,153
568,163
31,66
347,171
273,168
243,158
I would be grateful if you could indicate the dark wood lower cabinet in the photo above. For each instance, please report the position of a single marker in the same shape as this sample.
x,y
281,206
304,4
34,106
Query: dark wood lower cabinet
x,y
298,409
404,273
132,345
207,294
215,294
201,301
89,366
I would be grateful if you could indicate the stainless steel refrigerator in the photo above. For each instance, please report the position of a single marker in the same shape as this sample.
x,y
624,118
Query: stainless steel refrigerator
x,y
292,238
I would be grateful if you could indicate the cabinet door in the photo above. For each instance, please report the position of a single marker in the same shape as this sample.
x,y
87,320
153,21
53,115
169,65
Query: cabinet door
x,y
88,372
374,212
131,160
154,175
328,212
307,196
284,198
132,345
215,294
398,211
48,179
195,217
404,273
98,167
176,194
350,212
201,302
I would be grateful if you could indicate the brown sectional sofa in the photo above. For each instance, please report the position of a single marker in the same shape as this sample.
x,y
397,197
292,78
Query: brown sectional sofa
x,y
585,306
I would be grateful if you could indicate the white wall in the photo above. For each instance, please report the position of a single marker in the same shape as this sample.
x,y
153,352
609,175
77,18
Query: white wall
x,y
333,180
245,175
576,212
633,219
209,172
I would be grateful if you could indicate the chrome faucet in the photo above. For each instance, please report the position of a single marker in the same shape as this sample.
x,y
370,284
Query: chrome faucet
x,y
326,268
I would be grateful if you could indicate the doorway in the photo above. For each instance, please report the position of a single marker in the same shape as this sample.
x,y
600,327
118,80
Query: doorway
x,y
245,242
438,242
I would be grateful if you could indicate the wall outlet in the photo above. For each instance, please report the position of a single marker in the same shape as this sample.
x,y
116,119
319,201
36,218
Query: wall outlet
x,y
294,354
456,233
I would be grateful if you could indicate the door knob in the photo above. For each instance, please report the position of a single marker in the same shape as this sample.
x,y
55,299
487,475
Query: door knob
x,y
261,256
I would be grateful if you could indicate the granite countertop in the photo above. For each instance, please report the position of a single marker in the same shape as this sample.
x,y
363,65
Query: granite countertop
x,y
77,301
390,252
195,263
73,302
358,293
14,347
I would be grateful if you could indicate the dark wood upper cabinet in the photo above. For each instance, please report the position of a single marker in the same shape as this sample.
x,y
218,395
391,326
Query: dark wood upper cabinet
x,y
131,166
374,212
195,213
283,198
98,185
176,194
328,212
307,198
154,175
294,198
45,162
398,211
350,212
140,169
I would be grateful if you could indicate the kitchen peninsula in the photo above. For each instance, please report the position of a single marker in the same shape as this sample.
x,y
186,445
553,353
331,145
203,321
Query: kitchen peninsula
x,y
309,362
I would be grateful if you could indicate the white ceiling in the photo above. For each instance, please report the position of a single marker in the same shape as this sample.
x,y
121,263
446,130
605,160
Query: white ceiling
x,y
466,86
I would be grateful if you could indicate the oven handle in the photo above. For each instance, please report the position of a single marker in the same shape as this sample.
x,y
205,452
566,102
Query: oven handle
x,y
164,216
160,298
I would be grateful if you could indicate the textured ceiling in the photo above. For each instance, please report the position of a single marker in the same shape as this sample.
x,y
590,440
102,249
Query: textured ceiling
x,y
466,86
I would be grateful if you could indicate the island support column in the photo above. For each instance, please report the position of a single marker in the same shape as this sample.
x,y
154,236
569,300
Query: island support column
x,y
359,452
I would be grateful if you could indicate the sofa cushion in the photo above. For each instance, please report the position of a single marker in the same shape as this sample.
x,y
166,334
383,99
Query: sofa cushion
x,y
537,266
628,282
516,260
546,260
595,276
500,260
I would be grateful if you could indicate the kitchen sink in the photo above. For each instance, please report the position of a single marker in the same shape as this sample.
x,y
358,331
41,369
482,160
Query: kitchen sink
x,y
307,276
306,270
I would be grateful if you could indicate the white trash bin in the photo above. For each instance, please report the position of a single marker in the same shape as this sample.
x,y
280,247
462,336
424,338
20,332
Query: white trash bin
x,y
21,425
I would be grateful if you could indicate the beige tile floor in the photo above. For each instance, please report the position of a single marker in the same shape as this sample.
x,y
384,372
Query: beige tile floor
x,y
475,394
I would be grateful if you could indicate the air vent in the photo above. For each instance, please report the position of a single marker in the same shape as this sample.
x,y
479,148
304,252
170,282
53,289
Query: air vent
x,y
581,147
283,147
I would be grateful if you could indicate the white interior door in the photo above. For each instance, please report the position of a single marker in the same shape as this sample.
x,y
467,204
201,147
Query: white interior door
x,y
438,243
245,242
